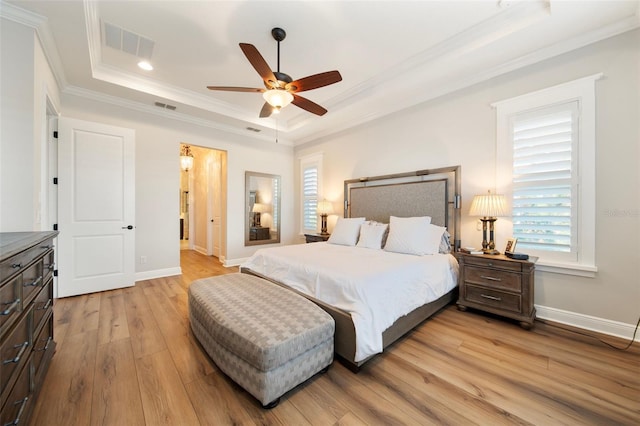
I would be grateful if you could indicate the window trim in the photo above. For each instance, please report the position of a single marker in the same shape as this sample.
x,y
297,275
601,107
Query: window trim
x,y
583,91
309,160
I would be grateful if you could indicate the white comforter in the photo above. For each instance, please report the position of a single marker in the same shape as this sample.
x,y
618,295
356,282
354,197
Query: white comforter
x,y
376,287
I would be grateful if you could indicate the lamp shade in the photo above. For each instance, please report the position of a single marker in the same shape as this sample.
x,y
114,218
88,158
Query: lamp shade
x,y
325,207
259,208
488,205
278,98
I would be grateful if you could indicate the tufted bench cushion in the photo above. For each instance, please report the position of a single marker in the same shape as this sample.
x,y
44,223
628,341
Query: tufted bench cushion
x,y
266,338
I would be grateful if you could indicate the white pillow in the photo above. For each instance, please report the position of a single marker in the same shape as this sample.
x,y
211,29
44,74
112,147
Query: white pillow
x,y
409,235
372,234
434,238
346,231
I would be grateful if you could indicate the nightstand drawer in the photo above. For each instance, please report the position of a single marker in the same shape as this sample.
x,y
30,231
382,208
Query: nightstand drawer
x,y
494,298
493,263
493,278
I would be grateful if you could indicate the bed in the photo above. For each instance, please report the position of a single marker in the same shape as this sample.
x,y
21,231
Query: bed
x,y
375,296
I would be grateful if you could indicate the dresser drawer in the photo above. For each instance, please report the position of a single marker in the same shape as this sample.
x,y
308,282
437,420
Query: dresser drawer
x,y
42,305
32,282
493,263
21,261
48,263
493,298
14,350
42,344
493,278
10,303
17,404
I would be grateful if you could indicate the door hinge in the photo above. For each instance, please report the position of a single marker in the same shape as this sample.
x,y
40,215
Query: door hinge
x,y
55,226
55,134
55,181
55,272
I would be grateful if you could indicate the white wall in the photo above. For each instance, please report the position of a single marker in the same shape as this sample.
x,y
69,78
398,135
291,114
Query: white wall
x,y
158,178
26,82
16,127
461,129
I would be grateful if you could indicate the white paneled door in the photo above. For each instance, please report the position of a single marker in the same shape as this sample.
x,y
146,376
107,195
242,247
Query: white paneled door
x,y
96,207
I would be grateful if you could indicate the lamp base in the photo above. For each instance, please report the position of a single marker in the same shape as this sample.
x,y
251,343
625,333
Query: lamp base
x,y
491,251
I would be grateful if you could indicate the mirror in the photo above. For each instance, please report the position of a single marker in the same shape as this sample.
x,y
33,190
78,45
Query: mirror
x,y
262,209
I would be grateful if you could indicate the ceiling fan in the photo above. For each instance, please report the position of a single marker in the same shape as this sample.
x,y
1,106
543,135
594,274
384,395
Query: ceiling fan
x,y
281,89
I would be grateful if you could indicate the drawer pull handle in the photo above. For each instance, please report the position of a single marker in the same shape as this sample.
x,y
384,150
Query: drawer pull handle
x,y
486,296
46,305
12,306
34,283
490,278
46,346
47,247
23,347
16,265
23,403
51,267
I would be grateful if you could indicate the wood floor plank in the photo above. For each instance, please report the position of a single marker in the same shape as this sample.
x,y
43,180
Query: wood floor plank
x,y
456,368
164,398
112,322
67,388
116,395
146,337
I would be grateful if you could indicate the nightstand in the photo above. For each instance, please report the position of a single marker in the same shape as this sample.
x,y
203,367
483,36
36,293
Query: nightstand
x,y
498,284
314,238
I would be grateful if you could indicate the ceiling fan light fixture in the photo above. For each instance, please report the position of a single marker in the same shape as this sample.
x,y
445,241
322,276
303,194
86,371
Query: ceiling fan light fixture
x,y
278,98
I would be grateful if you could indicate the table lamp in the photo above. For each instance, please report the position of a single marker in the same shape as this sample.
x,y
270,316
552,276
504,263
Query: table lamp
x,y
489,207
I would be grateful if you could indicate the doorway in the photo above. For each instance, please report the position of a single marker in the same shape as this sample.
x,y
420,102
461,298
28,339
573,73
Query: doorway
x,y
203,201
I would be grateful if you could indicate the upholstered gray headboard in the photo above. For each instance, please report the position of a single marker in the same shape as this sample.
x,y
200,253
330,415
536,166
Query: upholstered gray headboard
x,y
433,192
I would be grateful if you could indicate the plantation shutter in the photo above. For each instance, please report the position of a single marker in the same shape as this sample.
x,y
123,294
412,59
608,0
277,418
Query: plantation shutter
x,y
545,178
310,198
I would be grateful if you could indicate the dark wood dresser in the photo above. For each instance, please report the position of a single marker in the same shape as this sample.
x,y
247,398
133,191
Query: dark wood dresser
x,y
498,284
315,238
26,320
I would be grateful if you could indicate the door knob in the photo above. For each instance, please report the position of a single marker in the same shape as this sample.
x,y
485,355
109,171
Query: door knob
x,y
128,227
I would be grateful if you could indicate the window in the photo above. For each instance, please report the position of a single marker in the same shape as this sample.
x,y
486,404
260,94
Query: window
x,y
544,185
310,173
546,169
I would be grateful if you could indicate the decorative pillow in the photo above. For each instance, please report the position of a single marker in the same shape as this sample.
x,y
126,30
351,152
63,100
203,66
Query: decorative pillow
x,y
445,243
434,238
346,231
408,235
371,235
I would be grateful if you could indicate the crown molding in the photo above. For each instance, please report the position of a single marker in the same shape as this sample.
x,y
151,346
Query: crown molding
x,y
153,110
629,23
41,26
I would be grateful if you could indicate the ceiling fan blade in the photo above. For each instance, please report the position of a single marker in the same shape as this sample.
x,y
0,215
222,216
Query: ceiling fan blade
x,y
258,62
308,105
314,81
236,89
266,110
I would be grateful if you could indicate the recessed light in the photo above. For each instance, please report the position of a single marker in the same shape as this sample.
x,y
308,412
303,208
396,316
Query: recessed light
x,y
145,65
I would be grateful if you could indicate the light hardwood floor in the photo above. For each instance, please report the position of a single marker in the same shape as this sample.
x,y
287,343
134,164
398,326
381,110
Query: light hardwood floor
x,y
127,357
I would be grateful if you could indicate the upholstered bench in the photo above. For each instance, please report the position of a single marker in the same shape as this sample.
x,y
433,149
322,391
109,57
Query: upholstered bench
x,y
264,337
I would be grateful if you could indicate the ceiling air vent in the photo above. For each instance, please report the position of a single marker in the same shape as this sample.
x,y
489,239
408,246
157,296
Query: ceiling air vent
x,y
127,41
166,106
253,129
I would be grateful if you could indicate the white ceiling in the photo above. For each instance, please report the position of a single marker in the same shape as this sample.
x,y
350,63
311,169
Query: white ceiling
x,y
391,54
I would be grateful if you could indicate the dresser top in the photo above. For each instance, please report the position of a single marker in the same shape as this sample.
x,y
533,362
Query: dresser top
x,y
12,243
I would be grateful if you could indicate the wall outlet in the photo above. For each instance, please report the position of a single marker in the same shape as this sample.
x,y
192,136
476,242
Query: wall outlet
x,y
143,259
478,225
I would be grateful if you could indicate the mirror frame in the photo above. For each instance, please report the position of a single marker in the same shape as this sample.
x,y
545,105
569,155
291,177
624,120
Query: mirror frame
x,y
248,207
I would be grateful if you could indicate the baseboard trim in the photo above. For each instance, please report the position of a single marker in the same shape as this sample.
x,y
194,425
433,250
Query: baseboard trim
x,y
234,262
587,322
158,273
